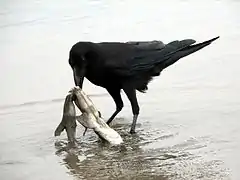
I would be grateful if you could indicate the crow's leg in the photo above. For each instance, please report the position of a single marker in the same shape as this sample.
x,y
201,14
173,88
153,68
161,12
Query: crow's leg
x,y
131,94
115,93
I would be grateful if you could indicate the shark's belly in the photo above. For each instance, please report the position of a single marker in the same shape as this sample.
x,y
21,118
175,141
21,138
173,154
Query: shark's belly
x,y
109,135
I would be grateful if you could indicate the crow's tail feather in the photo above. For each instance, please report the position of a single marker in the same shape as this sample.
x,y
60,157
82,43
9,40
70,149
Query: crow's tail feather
x,y
175,56
164,58
171,53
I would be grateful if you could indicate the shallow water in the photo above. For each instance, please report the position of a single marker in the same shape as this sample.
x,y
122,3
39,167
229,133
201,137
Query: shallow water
x,y
188,126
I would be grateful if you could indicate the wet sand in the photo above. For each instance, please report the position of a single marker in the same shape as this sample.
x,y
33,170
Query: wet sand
x,y
188,127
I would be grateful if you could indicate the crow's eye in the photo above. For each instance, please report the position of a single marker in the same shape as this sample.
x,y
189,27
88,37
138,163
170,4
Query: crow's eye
x,y
76,60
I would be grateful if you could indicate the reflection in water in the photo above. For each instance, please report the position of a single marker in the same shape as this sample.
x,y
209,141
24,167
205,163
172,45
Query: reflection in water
x,y
103,161
92,159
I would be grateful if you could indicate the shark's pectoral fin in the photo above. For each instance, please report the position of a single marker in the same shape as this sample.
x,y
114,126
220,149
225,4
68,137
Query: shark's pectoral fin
x,y
59,129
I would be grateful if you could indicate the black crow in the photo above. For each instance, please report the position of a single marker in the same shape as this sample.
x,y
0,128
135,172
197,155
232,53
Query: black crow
x,y
129,66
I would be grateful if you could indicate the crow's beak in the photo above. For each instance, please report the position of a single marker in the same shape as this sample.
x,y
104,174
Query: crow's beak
x,y
78,75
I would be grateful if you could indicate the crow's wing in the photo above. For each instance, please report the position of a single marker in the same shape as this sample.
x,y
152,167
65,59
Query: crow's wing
x,y
147,45
118,56
144,59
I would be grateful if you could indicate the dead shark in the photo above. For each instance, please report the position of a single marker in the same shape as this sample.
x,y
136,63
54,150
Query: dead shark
x,y
68,119
91,118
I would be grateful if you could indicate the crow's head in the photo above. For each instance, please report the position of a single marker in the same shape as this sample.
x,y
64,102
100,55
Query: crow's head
x,y
78,63
82,56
